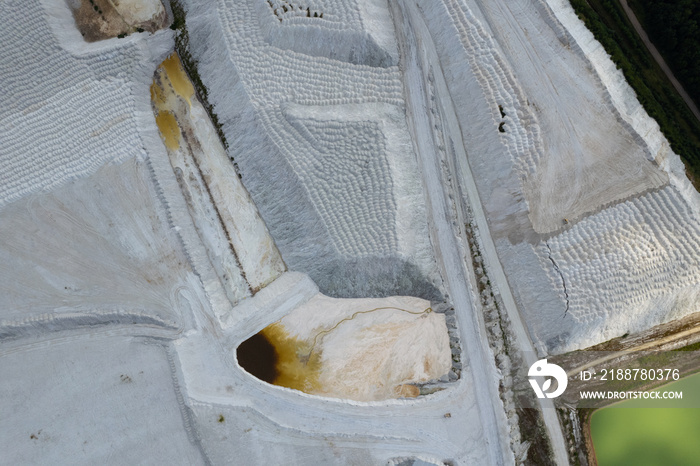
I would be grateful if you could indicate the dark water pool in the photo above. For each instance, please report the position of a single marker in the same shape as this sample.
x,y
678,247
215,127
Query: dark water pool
x,y
258,357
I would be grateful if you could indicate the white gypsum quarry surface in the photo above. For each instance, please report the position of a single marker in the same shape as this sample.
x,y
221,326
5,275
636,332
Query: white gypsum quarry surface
x,y
117,334
100,397
138,251
606,252
367,349
336,144
322,144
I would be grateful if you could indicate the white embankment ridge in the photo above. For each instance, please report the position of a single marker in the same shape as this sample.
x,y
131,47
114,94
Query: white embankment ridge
x,y
254,247
636,264
238,244
288,117
538,63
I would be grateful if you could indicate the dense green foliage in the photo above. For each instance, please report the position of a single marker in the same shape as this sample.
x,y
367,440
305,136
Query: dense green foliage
x,y
608,23
674,28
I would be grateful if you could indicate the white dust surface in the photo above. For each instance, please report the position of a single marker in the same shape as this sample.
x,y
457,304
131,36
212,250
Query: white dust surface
x,y
98,244
138,11
369,347
111,345
91,399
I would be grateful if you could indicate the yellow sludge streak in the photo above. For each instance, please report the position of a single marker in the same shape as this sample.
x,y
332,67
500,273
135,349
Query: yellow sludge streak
x,y
157,95
169,130
176,74
295,366
169,83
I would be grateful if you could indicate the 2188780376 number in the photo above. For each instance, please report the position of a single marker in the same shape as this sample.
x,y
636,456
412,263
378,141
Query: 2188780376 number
x,y
640,374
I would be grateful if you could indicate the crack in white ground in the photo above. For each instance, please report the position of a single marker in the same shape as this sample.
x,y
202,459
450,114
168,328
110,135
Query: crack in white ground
x,y
563,281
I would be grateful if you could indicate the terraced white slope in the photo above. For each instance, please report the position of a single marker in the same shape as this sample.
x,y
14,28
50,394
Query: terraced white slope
x,y
572,151
78,108
586,154
323,148
339,160
637,262
575,143
356,29
133,310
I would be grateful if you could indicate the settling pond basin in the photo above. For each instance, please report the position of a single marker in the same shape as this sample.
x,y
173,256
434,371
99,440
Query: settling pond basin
x,y
651,432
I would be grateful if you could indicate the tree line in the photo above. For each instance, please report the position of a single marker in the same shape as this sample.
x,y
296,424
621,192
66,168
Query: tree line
x,y
674,28
610,26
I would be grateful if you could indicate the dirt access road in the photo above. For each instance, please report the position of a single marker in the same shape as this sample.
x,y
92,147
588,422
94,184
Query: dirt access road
x,y
656,344
447,250
422,71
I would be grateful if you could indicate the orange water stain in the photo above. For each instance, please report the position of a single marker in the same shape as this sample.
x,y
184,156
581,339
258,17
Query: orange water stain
x,y
157,95
177,77
169,129
298,367
406,391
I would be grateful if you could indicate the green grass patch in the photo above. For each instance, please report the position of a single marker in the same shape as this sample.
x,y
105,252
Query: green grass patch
x,y
674,28
693,347
650,432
